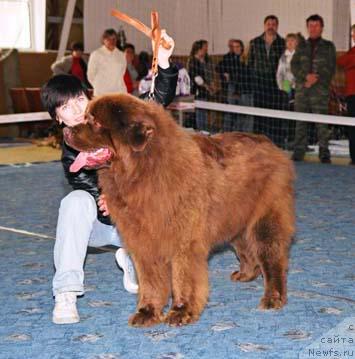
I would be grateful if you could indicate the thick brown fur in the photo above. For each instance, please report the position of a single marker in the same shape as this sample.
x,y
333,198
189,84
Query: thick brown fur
x,y
175,194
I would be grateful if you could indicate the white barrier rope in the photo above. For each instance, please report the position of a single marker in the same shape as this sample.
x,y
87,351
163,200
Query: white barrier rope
x,y
214,106
39,235
24,117
20,231
287,115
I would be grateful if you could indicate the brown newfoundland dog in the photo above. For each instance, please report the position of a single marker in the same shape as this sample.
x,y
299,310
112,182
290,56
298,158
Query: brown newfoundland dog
x,y
174,195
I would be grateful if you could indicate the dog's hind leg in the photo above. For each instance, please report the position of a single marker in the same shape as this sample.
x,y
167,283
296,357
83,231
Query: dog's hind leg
x,y
273,238
190,287
245,251
154,277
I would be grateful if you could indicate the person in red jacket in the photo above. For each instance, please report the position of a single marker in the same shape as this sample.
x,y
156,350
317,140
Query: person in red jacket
x,y
347,62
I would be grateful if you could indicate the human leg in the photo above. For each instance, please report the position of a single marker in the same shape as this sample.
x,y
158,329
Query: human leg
x,y
77,214
246,122
300,143
103,235
201,119
319,105
351,129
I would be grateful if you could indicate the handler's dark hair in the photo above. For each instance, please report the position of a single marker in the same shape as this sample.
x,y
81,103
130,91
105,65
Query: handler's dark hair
x,y
315,17
58,90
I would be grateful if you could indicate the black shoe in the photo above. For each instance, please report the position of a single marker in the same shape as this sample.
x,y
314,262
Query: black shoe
x,y
325,160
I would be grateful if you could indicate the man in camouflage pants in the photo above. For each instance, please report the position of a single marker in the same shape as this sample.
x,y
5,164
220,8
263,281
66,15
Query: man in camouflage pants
x,y
313,66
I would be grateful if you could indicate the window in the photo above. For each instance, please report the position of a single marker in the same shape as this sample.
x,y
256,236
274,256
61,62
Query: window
x,y
15,28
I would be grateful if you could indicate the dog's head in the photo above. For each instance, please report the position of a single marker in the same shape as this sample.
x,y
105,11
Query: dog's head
x,y
115,123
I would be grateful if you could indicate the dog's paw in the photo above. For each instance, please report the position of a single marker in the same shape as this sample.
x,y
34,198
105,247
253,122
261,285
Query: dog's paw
x,y
267,303
145,317
178,316
236,276
241,277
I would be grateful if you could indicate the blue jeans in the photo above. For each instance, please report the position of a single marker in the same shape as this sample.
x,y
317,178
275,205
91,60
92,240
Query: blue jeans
x,y
201,119
78,228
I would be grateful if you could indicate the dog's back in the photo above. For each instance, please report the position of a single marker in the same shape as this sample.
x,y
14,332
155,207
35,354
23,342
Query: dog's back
x,y
247,175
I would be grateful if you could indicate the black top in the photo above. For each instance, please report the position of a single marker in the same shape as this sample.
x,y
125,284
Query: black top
x,y
264,63
239,72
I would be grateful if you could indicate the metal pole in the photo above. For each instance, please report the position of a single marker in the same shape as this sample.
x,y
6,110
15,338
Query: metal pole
x,y
68,19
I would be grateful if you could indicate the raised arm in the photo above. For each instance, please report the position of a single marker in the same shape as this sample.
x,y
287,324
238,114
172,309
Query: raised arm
x,y
165,83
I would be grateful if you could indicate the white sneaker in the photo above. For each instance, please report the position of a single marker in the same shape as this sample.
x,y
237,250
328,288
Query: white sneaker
x,y
65,311
129,274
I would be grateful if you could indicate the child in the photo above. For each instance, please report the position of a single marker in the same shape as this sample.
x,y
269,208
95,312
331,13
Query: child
x,y
285,79
286,83
83,217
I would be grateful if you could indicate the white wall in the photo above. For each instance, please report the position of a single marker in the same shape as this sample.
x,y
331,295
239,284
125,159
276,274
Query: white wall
x,y
341,24
215,20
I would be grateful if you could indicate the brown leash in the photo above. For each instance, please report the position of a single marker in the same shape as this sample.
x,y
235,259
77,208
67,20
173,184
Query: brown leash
x,y
154,33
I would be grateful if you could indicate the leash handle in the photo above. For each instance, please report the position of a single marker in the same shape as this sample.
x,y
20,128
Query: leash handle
x,y
138,25
154,33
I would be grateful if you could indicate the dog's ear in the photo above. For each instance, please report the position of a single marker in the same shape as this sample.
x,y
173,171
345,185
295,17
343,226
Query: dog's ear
x,y
139,133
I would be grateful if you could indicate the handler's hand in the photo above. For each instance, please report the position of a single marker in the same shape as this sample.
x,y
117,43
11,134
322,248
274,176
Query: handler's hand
x,y
163,53
102,205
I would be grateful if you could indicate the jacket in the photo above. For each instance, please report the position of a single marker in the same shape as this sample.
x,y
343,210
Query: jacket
x,y
264,64
284,71
64,65
203,70
86,180
347,62
324,63
106,70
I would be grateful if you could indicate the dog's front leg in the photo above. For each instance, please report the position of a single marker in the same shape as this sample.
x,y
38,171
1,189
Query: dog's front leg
x,y
190,287
154,290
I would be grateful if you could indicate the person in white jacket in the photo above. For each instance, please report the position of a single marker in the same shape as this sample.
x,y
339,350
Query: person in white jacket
x,y
107,66
285,79
287,83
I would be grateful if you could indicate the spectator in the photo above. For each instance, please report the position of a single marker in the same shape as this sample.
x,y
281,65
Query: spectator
x,y
236,74
264,55
131,73
285,79
313,66
201,74
226,69
286,83
73,64
347,62
107,66
144,64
